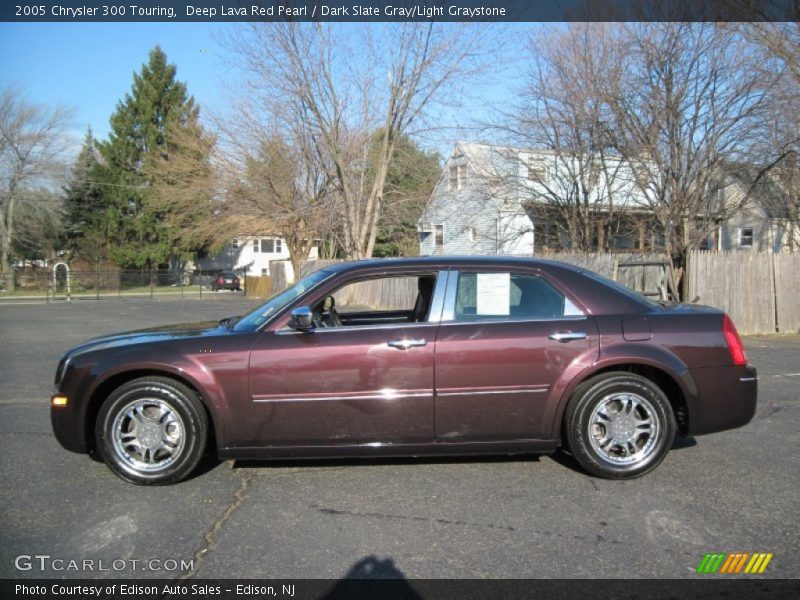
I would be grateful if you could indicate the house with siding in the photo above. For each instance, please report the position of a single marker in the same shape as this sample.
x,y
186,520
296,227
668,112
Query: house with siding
x,y
761,217
503,200
482,203
250,254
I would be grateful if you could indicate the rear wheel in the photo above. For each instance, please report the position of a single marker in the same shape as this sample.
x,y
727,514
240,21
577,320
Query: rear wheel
x,y
619,425
152,431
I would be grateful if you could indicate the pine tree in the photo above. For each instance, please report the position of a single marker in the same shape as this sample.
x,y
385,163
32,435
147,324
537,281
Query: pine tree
x,y
140,130
84,204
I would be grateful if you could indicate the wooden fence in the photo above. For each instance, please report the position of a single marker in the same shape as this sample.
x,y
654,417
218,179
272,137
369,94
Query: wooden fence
x,y
759,290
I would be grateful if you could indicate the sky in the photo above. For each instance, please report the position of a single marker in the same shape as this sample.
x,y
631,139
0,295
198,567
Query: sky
x,y
90,66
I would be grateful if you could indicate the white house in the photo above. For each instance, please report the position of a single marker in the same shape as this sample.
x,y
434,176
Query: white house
x,y
479,204
250,254
503,200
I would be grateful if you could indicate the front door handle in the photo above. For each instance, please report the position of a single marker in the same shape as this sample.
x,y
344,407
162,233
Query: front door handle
x,y
568,336
406,344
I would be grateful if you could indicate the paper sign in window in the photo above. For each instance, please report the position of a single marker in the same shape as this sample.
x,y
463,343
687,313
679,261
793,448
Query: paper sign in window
x,y
494,293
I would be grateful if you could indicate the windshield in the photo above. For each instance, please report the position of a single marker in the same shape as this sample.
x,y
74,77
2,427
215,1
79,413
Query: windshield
x,y
279,301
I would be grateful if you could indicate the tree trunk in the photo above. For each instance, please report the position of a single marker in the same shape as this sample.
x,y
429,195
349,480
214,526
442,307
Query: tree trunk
x,y
5,243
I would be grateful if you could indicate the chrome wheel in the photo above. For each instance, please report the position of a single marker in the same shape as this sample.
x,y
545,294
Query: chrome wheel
x,y
624,429
148,434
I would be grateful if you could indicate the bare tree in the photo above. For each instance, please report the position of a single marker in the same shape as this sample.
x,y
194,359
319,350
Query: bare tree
x,y
778,181
687,104
571,179
282,190
32,150
344,84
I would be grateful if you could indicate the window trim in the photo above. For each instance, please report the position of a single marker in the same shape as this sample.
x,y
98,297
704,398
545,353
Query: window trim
x,y
752,236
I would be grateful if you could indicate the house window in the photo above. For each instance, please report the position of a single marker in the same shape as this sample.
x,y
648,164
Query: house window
x,y
746,237
264,271
269,246
458,177
438,237
537,170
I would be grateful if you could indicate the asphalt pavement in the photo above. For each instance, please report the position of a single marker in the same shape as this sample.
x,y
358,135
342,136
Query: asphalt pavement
x,y
517,517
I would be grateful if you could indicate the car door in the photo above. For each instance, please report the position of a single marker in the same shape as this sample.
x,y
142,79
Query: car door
x,y
507,340
369,383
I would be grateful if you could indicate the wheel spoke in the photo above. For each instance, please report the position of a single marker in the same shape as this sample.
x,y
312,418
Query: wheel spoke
x,y
623,428
148,434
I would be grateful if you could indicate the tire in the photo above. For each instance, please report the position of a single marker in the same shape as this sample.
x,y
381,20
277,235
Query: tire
x,y
619,425
152,431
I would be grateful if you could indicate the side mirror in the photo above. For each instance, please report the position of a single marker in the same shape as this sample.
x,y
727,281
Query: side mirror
x,y
302,319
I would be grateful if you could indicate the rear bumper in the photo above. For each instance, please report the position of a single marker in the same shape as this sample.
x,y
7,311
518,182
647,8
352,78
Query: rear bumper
x,y
725,398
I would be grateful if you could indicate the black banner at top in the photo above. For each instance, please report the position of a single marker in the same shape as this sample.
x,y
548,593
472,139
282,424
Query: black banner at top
x,y
398,10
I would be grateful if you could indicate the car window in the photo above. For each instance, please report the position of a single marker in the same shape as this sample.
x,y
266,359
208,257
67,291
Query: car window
x,y
509,296
374,295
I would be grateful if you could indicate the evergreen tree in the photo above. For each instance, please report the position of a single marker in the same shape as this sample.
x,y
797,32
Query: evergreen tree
x,y
84,205
410,180
140,128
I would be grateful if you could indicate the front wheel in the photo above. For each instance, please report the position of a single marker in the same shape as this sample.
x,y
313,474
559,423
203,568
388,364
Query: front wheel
x,y
619,425
152,431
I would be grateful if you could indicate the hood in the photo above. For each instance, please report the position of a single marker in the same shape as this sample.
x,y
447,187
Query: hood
x,y
152,334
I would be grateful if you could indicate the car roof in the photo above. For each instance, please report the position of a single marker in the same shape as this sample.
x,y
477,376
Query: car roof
x,y
448,261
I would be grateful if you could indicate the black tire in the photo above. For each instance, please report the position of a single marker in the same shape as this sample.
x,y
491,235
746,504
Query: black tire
x,y
619,425
164,415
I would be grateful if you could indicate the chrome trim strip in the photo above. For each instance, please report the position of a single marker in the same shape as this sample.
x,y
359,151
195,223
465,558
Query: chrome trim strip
x,y
386,396
399,325
500,319
487,392
746,379
437,302
449,310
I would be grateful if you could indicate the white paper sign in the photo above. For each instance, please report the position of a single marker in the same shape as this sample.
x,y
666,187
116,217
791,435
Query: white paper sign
x,y
494,293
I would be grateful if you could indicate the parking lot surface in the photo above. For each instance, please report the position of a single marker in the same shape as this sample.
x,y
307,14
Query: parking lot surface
x,y
514,517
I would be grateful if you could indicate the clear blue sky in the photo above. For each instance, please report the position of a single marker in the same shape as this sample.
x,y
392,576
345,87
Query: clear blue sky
x,y
90,66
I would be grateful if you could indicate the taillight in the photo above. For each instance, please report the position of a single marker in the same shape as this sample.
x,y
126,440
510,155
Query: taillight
x,y
735,346
220,280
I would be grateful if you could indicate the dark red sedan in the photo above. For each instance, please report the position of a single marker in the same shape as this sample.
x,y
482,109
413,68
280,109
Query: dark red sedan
x,y
419,356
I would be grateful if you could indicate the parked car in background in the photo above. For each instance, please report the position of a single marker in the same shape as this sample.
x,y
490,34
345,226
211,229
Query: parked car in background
x,y
436,355
226,280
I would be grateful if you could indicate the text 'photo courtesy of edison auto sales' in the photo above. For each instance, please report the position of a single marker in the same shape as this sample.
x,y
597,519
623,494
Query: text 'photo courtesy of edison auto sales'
x,y
423,356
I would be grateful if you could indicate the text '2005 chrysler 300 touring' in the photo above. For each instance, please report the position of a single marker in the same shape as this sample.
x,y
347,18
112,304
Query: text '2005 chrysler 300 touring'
x,y
438,355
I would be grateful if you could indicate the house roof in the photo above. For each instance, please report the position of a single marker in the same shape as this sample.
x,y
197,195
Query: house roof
x,y
770,193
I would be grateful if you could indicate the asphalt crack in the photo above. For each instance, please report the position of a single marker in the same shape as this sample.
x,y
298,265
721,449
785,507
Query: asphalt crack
x,y
209,538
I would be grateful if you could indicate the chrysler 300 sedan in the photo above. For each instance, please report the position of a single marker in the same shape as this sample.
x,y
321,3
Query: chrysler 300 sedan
x,y
419,356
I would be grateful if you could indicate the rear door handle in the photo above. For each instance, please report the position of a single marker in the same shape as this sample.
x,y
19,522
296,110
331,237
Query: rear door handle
x,y
568,336
406,344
